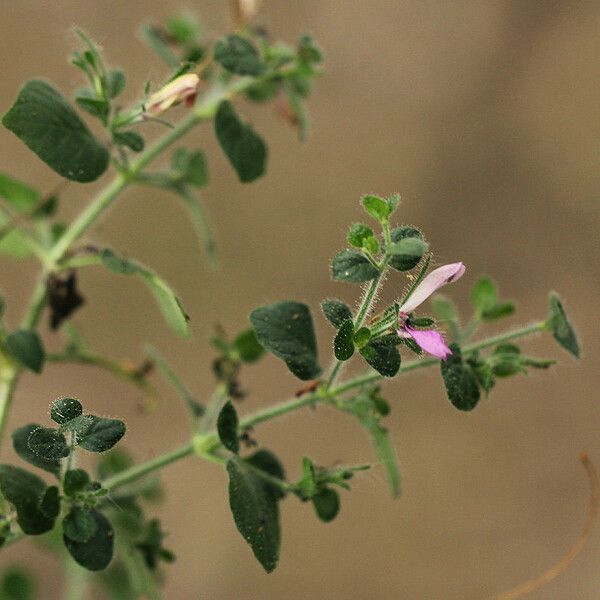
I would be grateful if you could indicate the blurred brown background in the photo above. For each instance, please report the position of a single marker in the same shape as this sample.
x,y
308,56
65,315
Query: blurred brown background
x,y
484,116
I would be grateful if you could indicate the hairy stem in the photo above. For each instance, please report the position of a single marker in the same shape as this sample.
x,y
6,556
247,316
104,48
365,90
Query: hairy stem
x,y
210,441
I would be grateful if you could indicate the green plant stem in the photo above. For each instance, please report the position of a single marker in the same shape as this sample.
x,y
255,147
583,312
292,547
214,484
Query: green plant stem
x,y
205,110
363,310
76,580
211,443
111,366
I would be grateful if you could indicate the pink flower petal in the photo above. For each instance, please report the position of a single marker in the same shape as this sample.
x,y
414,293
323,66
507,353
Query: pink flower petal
x,y
433,282
431,341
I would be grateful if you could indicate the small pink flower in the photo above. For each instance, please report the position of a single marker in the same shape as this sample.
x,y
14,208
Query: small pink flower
x,y
429,340
182,88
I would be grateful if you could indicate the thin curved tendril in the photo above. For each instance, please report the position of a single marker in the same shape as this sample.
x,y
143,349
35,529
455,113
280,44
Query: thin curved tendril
x,y
564,563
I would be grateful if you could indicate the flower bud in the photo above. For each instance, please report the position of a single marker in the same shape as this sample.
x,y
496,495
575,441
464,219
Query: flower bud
x,y
182,88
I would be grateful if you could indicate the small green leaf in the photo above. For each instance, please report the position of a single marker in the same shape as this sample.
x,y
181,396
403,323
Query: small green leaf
x,y
255,512
238,55
227,428
484,295
351,266
377,207
65,409
115,83
266,461
19,195
362,336
190,166
446,312
327,504
244,148
101,435
358,233
26,347
165,297
248,347
132,139
407,251
75,480
98,107
96,553
286,329
336,312
505,309
381,353
343,344
25,491
44,121
50,503
48,443
409,255
20,439
461,384
17,584
79,525
561,327
366,410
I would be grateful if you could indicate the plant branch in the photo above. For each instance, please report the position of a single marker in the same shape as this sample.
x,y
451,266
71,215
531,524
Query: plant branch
x,y
209,442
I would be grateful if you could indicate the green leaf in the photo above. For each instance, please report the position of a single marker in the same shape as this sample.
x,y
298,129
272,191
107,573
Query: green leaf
x,y
336,312
343,344
79,525
65,409
20,439
48,443
167,300
367,412
96,553
190,166
484,295
561,327
227,428
75,480
248,347
461,384
132,139
244,148
446,312
286,329
266,461
19,195
327,504
409,256
407,251
504,309
101,435
381,353
255,512
377,207
50,503
17,584
44,121
25,491
238,55
353,267
115,83
358,233
362,336
98,107
26,347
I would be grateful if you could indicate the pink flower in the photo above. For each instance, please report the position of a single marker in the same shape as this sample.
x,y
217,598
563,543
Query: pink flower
x,y
429,340
181,88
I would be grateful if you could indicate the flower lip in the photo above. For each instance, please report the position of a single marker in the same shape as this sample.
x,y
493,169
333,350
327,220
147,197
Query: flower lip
x,y
431,283
181,88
